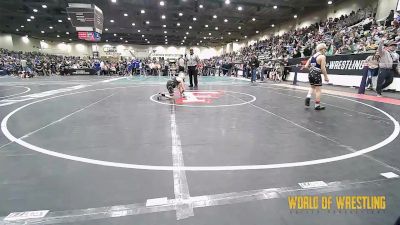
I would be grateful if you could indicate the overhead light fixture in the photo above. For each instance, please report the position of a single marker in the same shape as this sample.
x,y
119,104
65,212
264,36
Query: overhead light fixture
x,y
32,17
22,26
58,35
67,33
257,31
29,20
180,14
275,6
120,38
239,28
142,11
70,39
215,16
60,21
198,44
295,16
142,35
178,24
209,34
222,37
115,35
229,33
42,32
201,6
17,29
190,27
163,17
111,21
106,29
138,31
165,32
147,22
330,2
106,40
162,3
35,10
216,28
184,37
227,2
206,25
146,39
194,18
148,42
68,18
50,27
133,24
166,36
273,25
254,19
44,6
164,26
240,8
245,36
125,14
204,38
126,41
237,40
114,1
187,33
201,41
225,20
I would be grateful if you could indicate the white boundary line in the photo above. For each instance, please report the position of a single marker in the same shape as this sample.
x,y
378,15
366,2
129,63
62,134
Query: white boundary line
x,y
381,144
253,98
27,90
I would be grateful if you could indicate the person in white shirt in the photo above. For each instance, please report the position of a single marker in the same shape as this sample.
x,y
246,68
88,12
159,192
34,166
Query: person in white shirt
x,y
181,64
192,61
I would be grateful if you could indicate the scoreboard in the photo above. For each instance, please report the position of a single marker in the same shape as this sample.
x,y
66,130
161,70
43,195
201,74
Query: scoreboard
x,y
89,36
86,17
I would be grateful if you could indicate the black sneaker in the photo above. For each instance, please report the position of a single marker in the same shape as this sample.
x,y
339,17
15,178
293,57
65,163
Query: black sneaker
x,y
190,85
319,107
308,101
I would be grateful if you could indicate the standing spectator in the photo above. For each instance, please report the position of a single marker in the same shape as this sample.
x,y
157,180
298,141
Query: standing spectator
x,y
254,64
192,62
387,66
181,64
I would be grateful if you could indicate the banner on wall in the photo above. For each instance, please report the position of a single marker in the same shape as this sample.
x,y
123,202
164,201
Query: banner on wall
x,y
338,64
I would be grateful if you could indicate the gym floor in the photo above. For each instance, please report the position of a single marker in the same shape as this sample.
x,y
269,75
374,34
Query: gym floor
x,y
101,150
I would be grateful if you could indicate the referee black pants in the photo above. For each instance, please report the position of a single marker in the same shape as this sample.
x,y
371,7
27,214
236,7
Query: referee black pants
x,y
192,75
385,78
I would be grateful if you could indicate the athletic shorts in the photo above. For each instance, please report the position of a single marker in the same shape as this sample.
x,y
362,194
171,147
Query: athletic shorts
x,y
315,78
170,87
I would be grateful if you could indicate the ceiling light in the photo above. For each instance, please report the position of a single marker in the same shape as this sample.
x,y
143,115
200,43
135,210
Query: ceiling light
x,y
180,14
275,7
273,25
239,28
164,25
44,6
178,24
32,17
245,36
257,32
120,38
165,36
142,11
295,16
222,37
106,29
165,32
35,10
146,39
58,35
70,39
142,35
126,41
201,41
113,1
229,33
204,38
42,32
194,18
254,19
329,2
147,22
225,20
68,18
240,8
106,40
197,43
206,25
237,40
201,6
209,34
190,27
138,31
125,14
184,37
163,17
148,42
67,32
215,16
115,35
50,27
17,29
133,24
162,3
187,33
227,2
166,43
60,21
216,28
22,26
112,21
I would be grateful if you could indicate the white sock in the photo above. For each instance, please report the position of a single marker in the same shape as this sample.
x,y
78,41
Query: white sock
x,y
309,93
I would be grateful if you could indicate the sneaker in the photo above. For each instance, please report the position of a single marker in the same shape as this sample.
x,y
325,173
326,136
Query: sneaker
x,y
190,86
308,101
319,107
379,95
